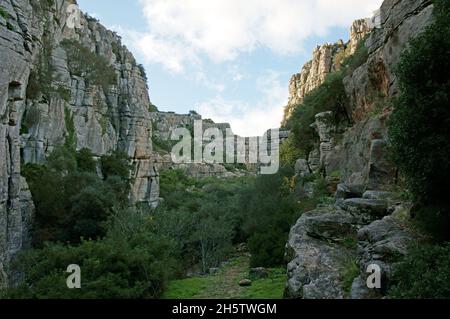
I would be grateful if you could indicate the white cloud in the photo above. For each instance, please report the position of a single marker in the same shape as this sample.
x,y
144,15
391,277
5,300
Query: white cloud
x,y
180,32
247,119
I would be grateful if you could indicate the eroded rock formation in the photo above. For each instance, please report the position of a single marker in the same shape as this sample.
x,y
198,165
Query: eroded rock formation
x,y
318,251
100,118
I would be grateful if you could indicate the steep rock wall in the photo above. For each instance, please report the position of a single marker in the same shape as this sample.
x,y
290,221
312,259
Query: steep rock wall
x,y
379,221
326,59
100,118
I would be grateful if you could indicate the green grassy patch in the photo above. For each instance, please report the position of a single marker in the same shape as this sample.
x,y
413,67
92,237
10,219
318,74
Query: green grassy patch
x,y
270,288
225,284
350,272
187,288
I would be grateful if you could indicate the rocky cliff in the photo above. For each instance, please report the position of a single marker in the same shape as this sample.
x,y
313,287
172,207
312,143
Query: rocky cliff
x,y
330,248
326,59
45,103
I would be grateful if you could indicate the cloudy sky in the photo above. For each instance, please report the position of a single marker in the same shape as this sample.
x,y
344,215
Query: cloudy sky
x,y
230,60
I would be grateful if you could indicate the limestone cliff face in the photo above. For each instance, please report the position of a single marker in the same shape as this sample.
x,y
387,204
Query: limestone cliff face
x,y
364,208
164,123
326,59
97,117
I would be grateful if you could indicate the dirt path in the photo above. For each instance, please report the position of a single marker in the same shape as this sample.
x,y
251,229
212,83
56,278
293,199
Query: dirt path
x,y
225,284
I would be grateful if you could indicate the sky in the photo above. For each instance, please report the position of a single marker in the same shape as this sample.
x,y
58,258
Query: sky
x,y
229,60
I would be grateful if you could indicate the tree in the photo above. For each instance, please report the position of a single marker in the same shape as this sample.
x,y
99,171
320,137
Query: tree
x,y
420,124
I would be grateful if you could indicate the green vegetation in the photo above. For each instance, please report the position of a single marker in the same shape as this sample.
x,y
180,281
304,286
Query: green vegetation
x,y
41,78
130,262
224,284
289,154
71,200
201,216
120,249
71,138
350,272
40,6
3,13
270,205
419,126
424,274
330,96
93,67
269,288
152,108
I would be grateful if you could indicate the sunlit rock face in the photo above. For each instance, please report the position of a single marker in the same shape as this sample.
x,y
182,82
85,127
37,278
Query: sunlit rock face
x,y
326,59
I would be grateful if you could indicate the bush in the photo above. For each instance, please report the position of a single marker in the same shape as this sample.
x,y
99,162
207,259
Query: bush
x,y
71,200
419,126
289,153
424,274
269,207
85,63
3,13
116,164
330,96
131,262
201,216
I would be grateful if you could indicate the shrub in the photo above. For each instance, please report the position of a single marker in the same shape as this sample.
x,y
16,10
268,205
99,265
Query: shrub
x,y
358,58
71,200
3,13
330,96
424,274
116,164
201,216
289,153
85,63
269,207
41,77
85,161
419,126
131,262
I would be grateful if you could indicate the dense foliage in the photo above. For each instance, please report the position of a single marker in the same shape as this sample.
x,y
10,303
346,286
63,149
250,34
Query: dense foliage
x,y
424,274
330,96
71,200
201,216
270,206
131,262
420,123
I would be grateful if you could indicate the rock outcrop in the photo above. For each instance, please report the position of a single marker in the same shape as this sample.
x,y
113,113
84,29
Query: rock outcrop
x,y
375,79
327,243
365,209
326,59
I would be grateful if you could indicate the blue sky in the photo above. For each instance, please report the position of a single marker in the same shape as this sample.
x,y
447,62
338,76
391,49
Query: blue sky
x,y
230,60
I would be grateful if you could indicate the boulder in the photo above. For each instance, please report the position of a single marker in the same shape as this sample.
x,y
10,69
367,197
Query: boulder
x,y
372,207
345,191
384,242
245,283
315,258
378,195
302,168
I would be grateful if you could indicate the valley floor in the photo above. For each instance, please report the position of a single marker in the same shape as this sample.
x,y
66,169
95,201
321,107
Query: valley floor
x,y
225,283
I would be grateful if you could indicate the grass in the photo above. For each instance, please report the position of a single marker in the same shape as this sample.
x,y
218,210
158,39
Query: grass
x,y
351,271
270,288
187,288
225,284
